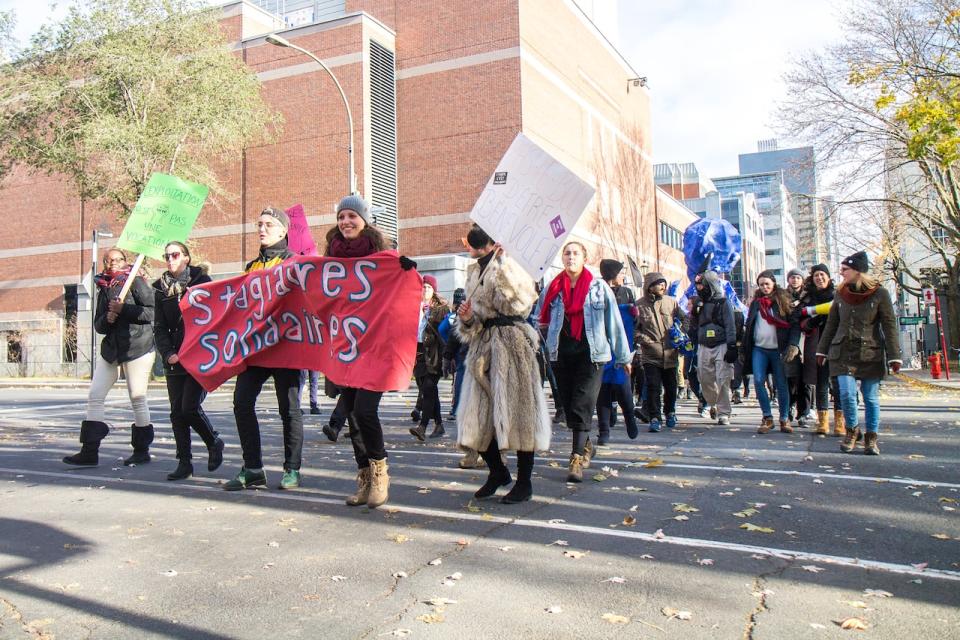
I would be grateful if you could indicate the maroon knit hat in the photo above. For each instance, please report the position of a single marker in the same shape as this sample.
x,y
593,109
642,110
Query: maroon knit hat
x,y
430,280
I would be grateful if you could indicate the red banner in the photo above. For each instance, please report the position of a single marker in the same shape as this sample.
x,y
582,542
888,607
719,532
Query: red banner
x,y
354,319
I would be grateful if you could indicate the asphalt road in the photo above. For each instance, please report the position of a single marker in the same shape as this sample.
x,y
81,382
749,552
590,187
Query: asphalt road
x,y
115,552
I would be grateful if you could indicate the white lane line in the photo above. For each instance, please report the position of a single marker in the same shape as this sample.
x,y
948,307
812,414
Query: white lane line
x,y
77,406
783,554
777,472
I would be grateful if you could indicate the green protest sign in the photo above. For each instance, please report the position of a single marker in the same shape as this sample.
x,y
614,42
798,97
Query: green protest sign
x,y
166,211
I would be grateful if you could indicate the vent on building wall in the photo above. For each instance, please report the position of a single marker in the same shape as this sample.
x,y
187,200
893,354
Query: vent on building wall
x,y
383,139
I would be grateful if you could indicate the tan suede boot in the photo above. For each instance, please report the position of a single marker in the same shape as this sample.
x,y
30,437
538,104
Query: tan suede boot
x,y
823,423
576,468
839,424
870,445
471,460
587,454
850,440
363,488
766,425
379,483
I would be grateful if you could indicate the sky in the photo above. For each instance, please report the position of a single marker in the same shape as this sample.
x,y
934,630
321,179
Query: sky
x,y
714,67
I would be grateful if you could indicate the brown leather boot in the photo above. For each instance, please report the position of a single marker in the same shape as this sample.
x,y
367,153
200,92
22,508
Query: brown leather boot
x,y
839,424
766,425
575,473
785,426
379,483
850,440
823,423
870,446
363,488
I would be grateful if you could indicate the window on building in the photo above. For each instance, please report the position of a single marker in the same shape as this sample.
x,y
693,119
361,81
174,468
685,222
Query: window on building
x,y
939,234
773,252
670,236
771,232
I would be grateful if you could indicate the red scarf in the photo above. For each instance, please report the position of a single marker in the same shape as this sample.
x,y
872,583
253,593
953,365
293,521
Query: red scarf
x,y
359,247
109,279
573,300
766,312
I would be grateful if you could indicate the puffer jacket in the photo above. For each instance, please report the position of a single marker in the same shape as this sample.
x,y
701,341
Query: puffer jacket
x,y
861,337
168,323
131,335
656,316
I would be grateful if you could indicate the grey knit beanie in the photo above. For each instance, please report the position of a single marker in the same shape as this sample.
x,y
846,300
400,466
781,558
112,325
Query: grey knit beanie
x,y
355,202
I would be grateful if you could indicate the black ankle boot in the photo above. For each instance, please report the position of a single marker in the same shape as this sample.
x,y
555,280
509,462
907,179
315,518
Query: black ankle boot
x,y
438,430
140,439
496,479
420,432
183,471
523,488
215,455
91,433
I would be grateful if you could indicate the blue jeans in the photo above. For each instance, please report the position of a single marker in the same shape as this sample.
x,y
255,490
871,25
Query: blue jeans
x,y
871,402
768,361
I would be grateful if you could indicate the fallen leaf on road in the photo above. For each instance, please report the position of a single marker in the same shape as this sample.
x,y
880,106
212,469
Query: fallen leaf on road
x,y
684,508
876,593
671,613
726,494
857,604
556,521
338,578
400,574
658,462
273,543
753,527
817,625
817,481
759,556
559,543
951,500
658,534
940,536
435,562
554,609
472,508
916,456
599,477
313,597
424,490
615,580
785,506
486,516
439,602
430,618
614,618
169,573
681,518
399,538
848,624
919,565
632,488
765,484
554,464
705,562
629,521
398,633
812,568
455,576
462,542
576,555
746,513
505,548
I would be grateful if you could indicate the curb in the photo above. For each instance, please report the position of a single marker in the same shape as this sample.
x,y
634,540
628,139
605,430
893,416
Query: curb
x,y
917,382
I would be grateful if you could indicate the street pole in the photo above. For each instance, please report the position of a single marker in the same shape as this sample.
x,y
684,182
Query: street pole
x,y
97,234
277,41
943,338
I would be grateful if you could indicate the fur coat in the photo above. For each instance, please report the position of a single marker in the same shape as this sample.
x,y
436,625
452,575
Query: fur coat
x,y
502,393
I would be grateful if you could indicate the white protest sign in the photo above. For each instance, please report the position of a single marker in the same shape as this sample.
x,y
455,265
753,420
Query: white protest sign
x,y
530,205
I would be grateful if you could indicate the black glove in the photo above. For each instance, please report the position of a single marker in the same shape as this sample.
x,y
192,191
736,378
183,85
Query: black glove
x,y
731,355
406,263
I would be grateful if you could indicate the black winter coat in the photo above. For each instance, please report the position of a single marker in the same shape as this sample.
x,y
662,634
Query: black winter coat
x,y
168,324
131,335
785,337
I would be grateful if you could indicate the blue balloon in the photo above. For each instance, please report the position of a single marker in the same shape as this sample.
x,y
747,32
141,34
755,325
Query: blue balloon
x,y
711,236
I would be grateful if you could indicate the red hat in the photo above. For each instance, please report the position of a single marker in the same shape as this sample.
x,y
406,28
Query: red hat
x,y
430,280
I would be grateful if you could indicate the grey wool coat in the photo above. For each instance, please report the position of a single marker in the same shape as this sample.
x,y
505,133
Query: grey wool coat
x,y
502,393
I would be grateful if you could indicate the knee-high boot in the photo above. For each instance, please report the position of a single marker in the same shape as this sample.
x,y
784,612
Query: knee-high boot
x,y
523,489
498,476
91,433
181,435
140,439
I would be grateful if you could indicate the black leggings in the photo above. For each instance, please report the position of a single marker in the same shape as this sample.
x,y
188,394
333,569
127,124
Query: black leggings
x,y
430,398
186,411
366,433
622,395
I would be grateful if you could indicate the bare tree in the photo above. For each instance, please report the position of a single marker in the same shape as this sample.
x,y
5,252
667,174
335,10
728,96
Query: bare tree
x,y
882,111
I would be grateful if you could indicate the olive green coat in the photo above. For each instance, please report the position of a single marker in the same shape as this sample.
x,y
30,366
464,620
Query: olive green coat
x,y
861,336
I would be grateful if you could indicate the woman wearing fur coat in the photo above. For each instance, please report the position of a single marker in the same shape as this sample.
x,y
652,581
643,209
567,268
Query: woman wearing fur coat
x,y
502,406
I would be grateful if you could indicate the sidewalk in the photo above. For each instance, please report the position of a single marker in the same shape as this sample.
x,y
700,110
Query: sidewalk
x,y
73,383
923,376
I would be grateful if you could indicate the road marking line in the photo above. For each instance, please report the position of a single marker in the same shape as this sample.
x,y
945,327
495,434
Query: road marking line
x,y
783,554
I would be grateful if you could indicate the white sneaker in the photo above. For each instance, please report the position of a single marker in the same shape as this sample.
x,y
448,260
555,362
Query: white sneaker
x,y
724,420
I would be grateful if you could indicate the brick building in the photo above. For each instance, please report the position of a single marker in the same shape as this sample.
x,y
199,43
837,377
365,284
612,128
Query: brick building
x,y
438,90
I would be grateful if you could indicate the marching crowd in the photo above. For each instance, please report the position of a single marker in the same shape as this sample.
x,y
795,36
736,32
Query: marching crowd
x,y
807,344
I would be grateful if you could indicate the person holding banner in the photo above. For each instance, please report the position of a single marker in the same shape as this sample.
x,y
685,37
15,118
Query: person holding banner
x,y
185,393
353,237
127,345
272,228
502,404
584,333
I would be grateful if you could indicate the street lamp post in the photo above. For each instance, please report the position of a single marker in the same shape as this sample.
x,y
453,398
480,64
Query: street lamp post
x,y
277,41
97,234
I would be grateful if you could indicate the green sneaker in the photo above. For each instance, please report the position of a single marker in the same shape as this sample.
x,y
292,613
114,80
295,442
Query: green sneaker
x,y
247,479
290,479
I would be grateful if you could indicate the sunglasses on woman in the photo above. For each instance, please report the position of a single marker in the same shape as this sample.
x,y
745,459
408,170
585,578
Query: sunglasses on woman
x,y
173,255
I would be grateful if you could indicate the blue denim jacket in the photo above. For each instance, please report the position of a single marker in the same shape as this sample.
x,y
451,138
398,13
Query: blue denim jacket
x,y
601,324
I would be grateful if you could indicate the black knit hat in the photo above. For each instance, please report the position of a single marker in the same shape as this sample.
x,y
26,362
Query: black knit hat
x,y
858,262
820,267
609,269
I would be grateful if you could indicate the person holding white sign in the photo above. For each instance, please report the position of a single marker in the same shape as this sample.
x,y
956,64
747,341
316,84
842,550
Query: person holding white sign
x,y
584,332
